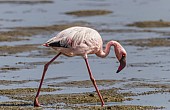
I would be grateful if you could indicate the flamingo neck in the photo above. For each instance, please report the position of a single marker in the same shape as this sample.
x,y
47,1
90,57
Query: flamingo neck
x,y
106,51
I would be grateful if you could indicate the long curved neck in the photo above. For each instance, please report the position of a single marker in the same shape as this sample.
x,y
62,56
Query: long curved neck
x,y
106,51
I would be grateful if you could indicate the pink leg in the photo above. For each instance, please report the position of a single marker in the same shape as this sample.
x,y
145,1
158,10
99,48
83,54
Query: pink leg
x,y
36,103
94,82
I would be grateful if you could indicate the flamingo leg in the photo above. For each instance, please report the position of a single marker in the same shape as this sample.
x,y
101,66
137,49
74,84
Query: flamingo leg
x,y
36,103
94,82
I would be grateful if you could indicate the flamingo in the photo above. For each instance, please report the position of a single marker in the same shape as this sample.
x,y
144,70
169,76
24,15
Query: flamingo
x,y
81,41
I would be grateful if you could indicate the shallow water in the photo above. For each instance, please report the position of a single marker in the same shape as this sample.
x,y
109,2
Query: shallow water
x,y
148,63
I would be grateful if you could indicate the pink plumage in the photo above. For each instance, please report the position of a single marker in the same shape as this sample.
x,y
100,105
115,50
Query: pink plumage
x,y
76,41
81,41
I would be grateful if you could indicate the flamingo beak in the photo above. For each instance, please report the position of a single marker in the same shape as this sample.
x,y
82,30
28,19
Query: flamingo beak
x,y
122,63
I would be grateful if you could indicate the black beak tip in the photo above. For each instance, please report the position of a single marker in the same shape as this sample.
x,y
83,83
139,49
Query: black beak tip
x,y
117,71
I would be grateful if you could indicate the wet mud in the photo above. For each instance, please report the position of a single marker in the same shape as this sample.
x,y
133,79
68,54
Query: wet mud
x,y
24,91
9,38
23,65
23,98
79,100
85,84
20,33
123,107
26,1
150,24
17,49
83,13
9,82
151,42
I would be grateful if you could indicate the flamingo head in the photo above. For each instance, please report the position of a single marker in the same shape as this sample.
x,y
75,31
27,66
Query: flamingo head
x,y
121,56
122,63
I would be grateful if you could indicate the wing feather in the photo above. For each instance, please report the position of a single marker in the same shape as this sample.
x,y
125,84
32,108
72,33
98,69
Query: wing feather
x,y
76,36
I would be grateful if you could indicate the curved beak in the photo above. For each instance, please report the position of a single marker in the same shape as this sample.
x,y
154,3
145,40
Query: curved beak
x,y
122,63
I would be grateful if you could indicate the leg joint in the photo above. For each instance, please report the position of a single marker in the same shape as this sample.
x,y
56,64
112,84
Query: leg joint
x,y
46,65
92,79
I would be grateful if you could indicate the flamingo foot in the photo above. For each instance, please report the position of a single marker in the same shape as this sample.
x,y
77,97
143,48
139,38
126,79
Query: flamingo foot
x,y
102,104
36,103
